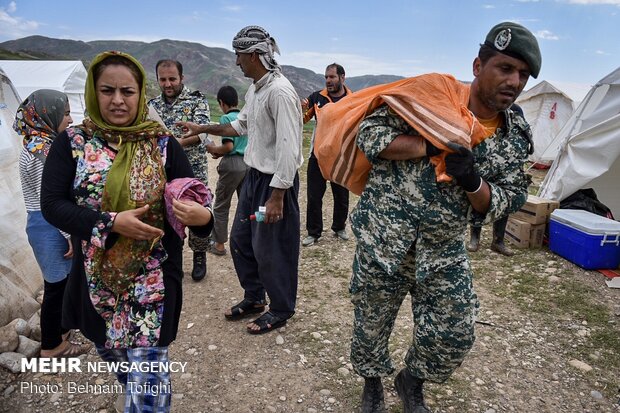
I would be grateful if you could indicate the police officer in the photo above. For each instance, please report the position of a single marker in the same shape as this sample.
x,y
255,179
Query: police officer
x,y
411,229
176,103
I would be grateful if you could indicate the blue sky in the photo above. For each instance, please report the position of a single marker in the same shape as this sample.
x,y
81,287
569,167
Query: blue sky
x,y
579,39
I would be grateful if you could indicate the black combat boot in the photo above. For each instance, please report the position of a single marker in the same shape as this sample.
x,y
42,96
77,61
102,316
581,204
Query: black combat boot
x,y
410,391
474,241
200,266
501,248
372,397
499,230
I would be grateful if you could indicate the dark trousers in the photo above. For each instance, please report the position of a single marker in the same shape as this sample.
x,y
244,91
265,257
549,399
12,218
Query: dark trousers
x,y
499,229
266,256
316,190
51,314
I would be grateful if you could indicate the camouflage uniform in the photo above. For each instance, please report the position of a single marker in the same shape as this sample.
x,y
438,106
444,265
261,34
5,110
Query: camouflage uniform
x,y
411,234
192,107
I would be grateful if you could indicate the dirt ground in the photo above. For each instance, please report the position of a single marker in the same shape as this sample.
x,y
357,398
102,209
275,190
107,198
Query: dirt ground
x,y
548,340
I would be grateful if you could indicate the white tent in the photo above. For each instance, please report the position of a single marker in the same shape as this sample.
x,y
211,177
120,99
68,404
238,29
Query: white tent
x,y
546,109
589,144
68,76
20,277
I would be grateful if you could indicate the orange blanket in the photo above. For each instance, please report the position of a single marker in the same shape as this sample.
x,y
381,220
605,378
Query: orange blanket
x,y
435,105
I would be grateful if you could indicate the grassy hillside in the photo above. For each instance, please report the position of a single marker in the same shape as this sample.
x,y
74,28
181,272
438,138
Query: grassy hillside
x,y
205,68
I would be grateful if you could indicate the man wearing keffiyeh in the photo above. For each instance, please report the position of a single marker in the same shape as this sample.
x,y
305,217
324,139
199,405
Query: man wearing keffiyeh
x,y
266,255
252,39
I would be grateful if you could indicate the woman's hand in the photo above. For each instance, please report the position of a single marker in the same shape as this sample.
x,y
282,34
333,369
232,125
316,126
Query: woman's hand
x,y
191,213
128,224
69,253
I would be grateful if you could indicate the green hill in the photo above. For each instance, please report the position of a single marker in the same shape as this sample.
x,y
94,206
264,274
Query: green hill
x,y
205,68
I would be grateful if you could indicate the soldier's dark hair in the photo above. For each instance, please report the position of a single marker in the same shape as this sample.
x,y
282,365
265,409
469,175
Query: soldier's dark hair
x,y
169,62
228,95
486,52
339,69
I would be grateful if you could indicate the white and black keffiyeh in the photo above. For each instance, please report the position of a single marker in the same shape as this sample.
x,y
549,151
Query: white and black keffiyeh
x,y
256,39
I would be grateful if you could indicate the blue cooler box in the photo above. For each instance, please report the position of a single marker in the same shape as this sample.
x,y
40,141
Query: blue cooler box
x,y
586,239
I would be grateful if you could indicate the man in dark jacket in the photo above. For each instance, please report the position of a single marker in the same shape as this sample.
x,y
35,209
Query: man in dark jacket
x,y
335,90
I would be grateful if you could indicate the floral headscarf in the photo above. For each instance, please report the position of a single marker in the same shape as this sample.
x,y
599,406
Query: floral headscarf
x,y
38,118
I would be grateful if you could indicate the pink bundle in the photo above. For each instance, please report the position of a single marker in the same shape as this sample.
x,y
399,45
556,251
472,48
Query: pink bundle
x,y
185,189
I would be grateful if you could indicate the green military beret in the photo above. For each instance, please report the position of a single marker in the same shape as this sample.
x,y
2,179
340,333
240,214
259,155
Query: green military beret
x,y
514,40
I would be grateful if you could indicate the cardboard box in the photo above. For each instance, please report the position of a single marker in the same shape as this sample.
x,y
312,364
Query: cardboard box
x,y
522,234
537,234
536,210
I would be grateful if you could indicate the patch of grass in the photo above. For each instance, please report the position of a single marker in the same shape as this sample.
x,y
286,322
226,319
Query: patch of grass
x,y
307,291
312,347
605,344
319,254
342,273
316,348
458,401
533,292
309,127
214,108
528,291
307,136
607,339
353,392
307,285
558,303
577,298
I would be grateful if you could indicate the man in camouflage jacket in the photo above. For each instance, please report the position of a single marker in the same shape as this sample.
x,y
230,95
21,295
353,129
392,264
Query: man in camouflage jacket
x,y
411,229
176,103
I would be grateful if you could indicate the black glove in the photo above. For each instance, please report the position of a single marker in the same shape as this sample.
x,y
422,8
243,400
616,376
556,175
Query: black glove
x,y
431,150
460,165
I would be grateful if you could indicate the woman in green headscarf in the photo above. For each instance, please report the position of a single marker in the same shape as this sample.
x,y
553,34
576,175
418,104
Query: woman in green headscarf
x,y
104,183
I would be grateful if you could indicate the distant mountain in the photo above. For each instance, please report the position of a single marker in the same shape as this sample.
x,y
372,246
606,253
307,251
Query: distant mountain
x,y
362,82
9,55
205,68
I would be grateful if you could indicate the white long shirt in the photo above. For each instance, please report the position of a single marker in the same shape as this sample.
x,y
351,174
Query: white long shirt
x,y
273,121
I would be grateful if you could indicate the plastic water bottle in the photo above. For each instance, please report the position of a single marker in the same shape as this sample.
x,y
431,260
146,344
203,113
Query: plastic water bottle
x,y
259,216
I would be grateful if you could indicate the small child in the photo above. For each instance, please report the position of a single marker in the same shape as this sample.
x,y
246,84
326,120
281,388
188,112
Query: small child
x,y
231,169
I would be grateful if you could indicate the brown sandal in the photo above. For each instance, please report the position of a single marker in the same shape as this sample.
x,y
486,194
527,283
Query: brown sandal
x,y
68,336
71,350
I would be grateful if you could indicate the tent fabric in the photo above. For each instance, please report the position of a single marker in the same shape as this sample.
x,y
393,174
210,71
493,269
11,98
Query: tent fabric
x,y
589,155
547,109
68,76
20,277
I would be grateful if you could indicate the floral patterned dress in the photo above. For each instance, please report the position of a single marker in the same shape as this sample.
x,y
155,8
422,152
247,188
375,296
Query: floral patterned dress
x,y
134,317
